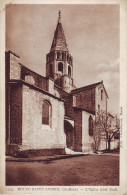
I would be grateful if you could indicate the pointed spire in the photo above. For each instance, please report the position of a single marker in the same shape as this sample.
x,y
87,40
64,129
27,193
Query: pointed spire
x,y
59,41
59,18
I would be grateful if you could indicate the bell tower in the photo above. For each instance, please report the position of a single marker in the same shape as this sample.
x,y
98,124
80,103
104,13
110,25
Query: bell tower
x,y
59,62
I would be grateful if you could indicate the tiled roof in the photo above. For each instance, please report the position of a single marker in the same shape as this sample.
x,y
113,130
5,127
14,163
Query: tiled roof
x,y
59,41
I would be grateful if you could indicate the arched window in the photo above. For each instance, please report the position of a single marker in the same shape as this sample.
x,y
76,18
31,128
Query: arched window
x,y
46,113
98,108
58,55
90,126
50,70
67,57
69,71
60,67
102,94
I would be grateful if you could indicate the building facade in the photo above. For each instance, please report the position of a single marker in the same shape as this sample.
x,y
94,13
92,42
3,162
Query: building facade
x,y
46,115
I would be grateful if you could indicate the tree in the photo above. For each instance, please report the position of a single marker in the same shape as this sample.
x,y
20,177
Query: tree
x,y
113,128
96,135
105,123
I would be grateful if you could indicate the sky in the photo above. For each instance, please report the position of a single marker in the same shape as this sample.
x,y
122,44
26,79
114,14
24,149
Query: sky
x,y
92,36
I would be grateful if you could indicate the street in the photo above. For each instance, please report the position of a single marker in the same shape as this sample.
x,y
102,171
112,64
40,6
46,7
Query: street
x,y
84,170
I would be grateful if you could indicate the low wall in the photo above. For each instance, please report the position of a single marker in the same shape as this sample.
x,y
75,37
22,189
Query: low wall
x,y
15,150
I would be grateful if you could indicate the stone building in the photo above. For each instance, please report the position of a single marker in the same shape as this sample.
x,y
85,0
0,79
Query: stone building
x,y
45,115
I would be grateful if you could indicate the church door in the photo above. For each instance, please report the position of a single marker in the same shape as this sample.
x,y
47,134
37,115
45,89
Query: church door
x,y
69,131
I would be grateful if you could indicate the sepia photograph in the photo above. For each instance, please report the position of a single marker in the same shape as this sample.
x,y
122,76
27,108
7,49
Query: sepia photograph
x,y
62,97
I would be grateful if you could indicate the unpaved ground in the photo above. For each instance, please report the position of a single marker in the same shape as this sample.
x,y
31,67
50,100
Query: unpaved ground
x,y
84,170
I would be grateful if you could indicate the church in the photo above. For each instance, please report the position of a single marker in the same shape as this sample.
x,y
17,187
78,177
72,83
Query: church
x,y
46,115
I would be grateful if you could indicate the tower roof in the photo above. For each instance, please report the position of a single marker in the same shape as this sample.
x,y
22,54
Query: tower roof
x,y
59,41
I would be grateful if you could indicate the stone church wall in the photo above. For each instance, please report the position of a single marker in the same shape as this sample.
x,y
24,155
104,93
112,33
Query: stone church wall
x,y
68,102
78,130
69,111
85,99
15,69
63,94
50,86
15,114
35,135
86,139
40,81
12,65
101,102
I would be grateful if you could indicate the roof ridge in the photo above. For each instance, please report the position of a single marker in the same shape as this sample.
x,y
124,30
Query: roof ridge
x,y
87,86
